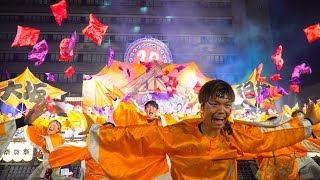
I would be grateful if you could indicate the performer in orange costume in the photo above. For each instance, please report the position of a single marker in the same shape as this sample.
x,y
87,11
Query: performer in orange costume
x,y
129,116
68,154
45,138
202,150
126,114
291,162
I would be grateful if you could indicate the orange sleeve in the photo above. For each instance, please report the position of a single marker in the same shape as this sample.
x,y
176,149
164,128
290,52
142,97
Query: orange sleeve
x,y
135,152
35,135
126,114
2,129
316,129
94,171
65,155
253,139
308,145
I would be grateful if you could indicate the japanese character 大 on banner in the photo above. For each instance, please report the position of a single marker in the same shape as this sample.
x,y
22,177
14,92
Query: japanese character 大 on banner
x,y
26,89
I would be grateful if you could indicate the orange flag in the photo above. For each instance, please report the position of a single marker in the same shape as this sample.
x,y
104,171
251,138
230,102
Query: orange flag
x,y
312,32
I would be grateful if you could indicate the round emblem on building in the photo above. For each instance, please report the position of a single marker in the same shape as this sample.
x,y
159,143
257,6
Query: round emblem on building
x,y
147,50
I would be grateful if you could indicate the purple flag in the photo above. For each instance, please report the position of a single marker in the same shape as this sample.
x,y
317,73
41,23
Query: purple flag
x,y
6,74
71,43
282,91
39,52
86,77
111,57
50,77
179,68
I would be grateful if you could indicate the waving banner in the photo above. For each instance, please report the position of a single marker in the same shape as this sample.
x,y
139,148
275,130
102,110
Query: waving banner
x,y
26,89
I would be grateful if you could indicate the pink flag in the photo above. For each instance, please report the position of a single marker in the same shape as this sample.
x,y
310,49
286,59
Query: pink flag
x,y
277,59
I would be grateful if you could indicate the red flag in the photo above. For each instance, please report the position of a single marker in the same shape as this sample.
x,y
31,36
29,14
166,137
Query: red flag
x,y
272,91
262,79
63,46
174,91
197,88
157,91
312,32
69,72
250,94
294,88
95,30
59,11
48,99
50,105
275,77
166,72
26,36
277,59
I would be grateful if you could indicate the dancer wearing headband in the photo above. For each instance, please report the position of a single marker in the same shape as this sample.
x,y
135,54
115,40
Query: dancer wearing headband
x,y
202,148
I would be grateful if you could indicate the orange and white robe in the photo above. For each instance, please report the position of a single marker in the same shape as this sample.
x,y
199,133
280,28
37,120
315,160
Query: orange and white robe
x,y
38,137
7,130
131,152
68,154
286,162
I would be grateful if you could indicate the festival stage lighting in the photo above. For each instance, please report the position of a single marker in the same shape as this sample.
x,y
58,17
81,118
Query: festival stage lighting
x,y
136,29
106,2
143,6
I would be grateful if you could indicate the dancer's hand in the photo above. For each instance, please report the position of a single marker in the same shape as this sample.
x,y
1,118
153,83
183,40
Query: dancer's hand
x,y
37,110
311,113
89,124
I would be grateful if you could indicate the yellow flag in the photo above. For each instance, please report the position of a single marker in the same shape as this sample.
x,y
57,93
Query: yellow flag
x,y
26,89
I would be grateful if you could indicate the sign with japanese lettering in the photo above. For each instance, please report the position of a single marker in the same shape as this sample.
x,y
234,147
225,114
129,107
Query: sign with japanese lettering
x,y
147,50
26,89
249,90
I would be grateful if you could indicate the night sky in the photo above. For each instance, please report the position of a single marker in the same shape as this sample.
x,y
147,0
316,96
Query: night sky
x,y
288,19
